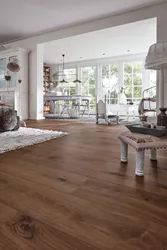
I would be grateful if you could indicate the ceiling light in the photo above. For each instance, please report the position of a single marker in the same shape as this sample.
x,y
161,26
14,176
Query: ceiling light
x,y
63,81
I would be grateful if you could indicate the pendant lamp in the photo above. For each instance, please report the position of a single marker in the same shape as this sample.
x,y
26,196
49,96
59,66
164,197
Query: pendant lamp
x,y
77,80
63,81
13,65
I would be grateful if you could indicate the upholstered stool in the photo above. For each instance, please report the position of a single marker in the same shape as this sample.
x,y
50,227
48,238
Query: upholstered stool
x,y
140,142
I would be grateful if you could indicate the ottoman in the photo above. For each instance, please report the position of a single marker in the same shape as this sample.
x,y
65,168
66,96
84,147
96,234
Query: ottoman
x,y
141,143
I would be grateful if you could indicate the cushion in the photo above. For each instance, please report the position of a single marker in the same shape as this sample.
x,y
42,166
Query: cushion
x,y
8,119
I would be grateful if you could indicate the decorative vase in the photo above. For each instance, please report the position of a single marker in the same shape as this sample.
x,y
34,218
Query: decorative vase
x,y
162,117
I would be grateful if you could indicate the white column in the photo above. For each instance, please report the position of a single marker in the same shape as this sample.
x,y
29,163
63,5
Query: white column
x,y
161,88
78,85
36,82
99,90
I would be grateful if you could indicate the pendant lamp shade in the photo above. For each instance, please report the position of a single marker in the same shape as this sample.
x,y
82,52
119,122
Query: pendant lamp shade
x,y
63,81
157,57
77,81
13,65
157,60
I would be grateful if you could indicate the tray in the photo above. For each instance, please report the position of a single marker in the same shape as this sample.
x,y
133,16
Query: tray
x,y
147,131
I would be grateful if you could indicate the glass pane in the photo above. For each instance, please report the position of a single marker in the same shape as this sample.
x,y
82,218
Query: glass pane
x,y
113,69
110,81
137,79
88,78
137,92
128,68
153,78
2,72
127,81
128,92
105,71
137,67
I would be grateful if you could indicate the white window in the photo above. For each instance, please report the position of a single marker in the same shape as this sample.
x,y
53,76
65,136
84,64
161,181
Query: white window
x,y
88,78
70,76
133,81
110,82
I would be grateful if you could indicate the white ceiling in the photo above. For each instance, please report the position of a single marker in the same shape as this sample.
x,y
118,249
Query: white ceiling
x,y
116,41
24,18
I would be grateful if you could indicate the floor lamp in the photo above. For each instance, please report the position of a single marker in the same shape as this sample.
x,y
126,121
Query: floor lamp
x,y
157,60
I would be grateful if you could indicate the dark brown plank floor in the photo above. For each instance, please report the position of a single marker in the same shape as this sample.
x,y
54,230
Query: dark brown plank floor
x,y
73,193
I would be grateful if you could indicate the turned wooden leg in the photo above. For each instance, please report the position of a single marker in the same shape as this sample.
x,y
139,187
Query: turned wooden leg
x,y
153,155
124,152
140,155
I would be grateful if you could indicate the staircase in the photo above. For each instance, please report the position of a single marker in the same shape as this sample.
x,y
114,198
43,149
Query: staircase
x,y
148,102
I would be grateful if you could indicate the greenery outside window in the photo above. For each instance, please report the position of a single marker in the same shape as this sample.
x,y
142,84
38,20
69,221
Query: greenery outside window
x,y
133,81
110,82
88,78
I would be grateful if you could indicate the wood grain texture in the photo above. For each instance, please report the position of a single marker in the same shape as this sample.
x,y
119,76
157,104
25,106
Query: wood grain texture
x,y
72,193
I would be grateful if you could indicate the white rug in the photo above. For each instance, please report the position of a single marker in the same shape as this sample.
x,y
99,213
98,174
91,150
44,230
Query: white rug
x,y
26,136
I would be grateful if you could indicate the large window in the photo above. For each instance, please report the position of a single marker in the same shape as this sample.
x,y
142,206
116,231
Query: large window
x,y
70,76
133,79
88,78
110,82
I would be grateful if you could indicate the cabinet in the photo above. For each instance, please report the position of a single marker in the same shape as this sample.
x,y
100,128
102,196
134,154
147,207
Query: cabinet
x,y
14,93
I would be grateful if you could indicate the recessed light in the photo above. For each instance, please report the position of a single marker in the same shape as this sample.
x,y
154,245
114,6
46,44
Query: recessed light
x,y
128,50
104,54
81,57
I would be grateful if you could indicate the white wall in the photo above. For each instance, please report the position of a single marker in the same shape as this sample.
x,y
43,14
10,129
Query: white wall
x,y
158,11
36,83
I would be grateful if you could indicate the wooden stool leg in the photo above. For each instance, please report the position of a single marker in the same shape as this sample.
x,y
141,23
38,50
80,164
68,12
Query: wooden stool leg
x,y
124,152
153,155
140,155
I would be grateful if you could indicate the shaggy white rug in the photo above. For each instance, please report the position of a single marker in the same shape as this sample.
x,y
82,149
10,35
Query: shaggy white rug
x,y
26,136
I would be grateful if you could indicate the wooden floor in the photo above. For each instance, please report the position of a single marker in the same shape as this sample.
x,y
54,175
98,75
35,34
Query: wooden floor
x,y
72,193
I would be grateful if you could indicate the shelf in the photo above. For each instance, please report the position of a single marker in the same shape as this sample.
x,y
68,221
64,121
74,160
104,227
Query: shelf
x,y
46,86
